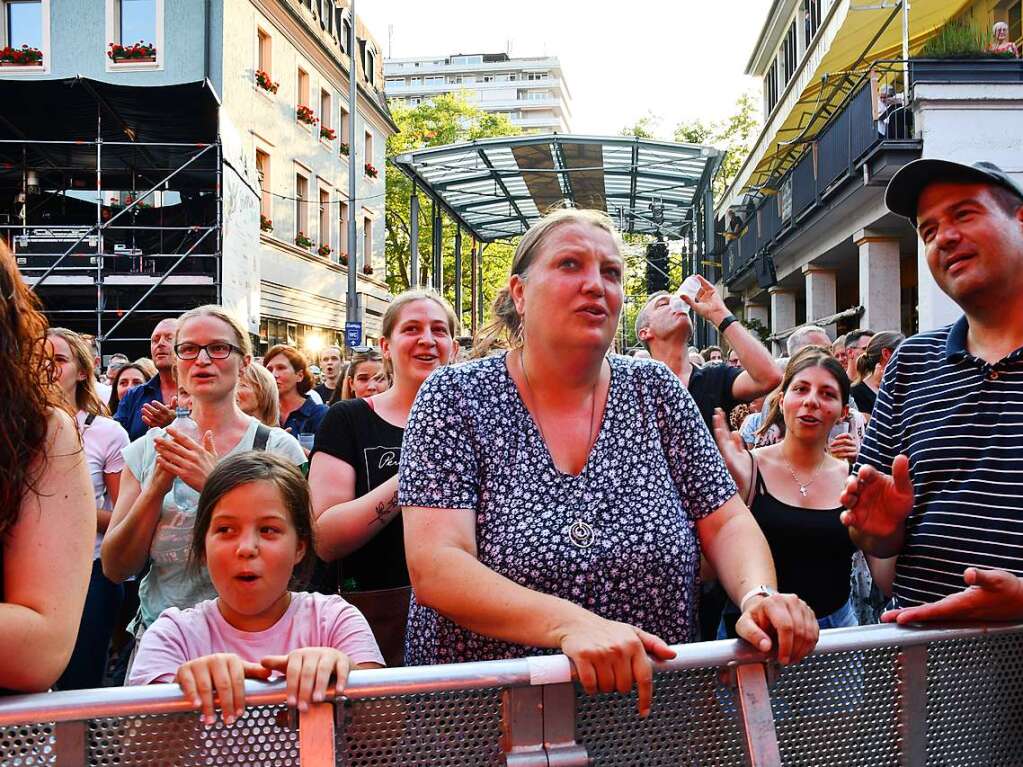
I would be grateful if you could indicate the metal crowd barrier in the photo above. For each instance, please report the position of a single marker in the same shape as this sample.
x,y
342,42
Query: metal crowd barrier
x,y
876,695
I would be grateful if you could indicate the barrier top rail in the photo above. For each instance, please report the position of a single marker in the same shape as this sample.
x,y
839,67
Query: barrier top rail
x,y
526,672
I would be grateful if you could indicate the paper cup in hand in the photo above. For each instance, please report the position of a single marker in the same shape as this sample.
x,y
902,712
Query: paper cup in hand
x,y
690,288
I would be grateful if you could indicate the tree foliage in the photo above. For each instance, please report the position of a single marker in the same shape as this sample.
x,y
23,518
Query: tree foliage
x,y
445,119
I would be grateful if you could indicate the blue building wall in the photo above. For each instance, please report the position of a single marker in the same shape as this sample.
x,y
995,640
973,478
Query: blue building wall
x,y
79,40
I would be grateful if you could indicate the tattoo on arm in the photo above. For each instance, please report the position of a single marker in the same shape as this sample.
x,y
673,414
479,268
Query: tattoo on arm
x,y
384,510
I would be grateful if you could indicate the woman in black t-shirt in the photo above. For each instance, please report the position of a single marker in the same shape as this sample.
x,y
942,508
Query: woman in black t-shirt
x,y
870,365
353,476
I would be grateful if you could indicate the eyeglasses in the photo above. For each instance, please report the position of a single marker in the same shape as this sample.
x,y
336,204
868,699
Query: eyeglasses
x,y
218,350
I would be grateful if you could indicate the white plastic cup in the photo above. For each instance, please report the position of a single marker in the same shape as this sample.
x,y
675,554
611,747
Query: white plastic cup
x,y
690,287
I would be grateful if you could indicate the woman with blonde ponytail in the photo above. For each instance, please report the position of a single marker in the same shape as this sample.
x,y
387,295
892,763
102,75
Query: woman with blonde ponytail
x,y
556,498
353,477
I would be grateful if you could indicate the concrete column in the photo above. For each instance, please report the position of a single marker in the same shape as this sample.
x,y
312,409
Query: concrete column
x,y
758,312
934,307
880,280
821,295
783,314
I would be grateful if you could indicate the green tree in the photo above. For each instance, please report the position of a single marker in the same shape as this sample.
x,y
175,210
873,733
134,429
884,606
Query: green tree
x,y
644,127
445,119
734,134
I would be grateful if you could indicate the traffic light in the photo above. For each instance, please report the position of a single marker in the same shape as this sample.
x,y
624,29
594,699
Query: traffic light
x,y
656,267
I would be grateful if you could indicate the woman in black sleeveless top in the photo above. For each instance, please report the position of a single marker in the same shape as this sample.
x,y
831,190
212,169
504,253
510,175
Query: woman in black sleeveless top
x,y
793,487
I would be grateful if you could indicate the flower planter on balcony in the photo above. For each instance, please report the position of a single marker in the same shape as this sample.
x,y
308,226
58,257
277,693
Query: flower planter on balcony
x,y
367,269
343,149
305,115
989,70
343,259
371,171
137,53
324,251
302,241
265,224
21,57
327,133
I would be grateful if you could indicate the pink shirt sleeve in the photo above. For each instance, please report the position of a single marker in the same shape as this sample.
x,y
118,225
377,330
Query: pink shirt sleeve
x,y
350,633
162,651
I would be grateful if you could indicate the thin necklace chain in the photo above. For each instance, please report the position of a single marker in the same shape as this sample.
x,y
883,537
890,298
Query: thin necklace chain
x,y
804,485
532,396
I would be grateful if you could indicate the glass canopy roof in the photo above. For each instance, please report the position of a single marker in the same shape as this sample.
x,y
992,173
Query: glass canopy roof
x,y
497,188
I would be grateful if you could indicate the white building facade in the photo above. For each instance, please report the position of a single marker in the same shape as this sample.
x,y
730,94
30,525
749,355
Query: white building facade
x,y
531,92
807,237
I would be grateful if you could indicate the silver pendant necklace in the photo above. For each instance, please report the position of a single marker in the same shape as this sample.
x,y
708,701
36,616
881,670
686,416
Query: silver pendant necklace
x,y
580,534
804,486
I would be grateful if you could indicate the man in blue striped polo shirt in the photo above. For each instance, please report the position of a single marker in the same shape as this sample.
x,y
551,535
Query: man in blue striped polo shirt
x,y
940,483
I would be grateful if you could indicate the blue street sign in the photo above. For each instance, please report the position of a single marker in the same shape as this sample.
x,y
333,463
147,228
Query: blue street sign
x,y
353,333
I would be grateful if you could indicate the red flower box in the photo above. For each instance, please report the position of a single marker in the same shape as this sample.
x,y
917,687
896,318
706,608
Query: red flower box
x,y
139,52
305,115
371,171
343,259
324,251
265,224
21,57
302,241
367,269
327,133
263,81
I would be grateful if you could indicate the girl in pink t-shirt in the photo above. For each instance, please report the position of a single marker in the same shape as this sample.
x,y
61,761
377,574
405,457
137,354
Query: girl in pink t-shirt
x,y
253,532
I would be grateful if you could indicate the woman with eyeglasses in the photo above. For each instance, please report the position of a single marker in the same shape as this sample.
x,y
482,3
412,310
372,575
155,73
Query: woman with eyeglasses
x,y
211,351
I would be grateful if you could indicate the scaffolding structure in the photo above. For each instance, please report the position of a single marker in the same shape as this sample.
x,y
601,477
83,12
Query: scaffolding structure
x,y
114,212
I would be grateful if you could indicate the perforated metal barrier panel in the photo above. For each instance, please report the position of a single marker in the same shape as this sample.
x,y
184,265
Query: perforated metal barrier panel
x,y
950,703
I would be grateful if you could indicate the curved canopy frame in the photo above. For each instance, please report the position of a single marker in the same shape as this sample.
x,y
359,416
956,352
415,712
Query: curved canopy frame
x,y
497,188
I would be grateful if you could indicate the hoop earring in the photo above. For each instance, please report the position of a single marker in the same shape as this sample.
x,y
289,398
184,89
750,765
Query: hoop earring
x,y
520,335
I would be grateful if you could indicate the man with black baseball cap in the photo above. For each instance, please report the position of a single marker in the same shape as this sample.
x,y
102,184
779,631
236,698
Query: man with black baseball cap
x,y
940,481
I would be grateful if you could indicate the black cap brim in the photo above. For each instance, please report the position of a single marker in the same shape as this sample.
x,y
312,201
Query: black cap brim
x,y
904,189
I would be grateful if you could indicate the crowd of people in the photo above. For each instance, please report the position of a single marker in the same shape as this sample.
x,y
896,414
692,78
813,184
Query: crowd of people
x,y
264,517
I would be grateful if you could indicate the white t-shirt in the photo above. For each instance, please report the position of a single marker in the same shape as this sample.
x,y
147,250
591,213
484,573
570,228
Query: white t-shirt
x,y
103,439
103,390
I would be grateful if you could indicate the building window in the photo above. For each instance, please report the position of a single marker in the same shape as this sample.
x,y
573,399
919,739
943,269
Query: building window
x,y
324,217
811,20
536,75
23,24
435,81
771,87
367,242
264,52
303,87
301,205
263,171
136,21
345,27
789,53
135,33
325,110
342,124
342,221
368,148
371,67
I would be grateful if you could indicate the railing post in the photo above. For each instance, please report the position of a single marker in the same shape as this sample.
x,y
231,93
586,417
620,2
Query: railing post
x,y
760,739
71,744
538,727
912,690
316,736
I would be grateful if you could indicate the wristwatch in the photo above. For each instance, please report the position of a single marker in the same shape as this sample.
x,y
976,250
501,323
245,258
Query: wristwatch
x,y
723,325
757,591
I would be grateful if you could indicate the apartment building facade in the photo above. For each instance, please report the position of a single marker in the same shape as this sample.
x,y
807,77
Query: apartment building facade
x,y
806,234
531,92
278,72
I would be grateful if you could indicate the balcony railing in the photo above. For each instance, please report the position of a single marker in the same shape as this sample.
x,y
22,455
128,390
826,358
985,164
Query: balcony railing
x,y
876,113
875,695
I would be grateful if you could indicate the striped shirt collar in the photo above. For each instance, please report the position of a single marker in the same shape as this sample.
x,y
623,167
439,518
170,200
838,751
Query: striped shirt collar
x,y
955,345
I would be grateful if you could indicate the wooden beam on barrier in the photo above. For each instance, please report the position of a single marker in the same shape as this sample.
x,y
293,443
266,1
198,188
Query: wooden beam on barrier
x,y
761,740
316,736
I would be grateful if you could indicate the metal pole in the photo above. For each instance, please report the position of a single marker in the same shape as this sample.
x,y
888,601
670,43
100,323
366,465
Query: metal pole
x,y
479,281
218,262
99,231
413,208
473,295
905,48
436,236
352,297
458,272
